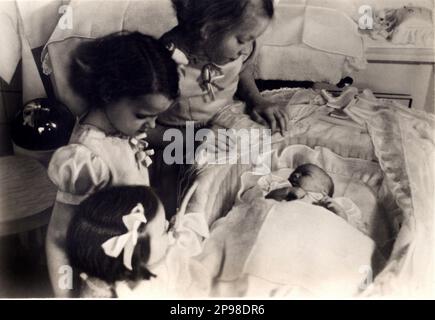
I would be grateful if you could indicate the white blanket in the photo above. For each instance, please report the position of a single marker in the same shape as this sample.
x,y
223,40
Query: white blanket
x,y
403,141
288,249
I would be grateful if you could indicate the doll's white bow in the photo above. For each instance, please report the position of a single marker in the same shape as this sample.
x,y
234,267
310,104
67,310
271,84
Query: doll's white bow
x,y
127,241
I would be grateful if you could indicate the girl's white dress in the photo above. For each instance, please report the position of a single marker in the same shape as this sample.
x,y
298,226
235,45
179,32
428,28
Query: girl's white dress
x,y
205,87
93,160
177,274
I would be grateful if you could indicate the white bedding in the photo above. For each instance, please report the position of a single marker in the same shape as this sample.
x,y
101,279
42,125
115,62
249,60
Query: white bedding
x,y
287,249
264,248
347,191
403,142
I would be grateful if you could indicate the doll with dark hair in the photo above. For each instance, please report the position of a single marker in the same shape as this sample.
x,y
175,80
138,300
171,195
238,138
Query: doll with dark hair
x,y
123,246
126,79
308,181
311,184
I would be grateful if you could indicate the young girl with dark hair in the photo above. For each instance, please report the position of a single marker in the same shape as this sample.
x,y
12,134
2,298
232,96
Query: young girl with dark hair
x,y
126,79
123,246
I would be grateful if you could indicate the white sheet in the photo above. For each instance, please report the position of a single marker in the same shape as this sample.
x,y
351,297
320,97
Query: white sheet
x,y
403,141
271,249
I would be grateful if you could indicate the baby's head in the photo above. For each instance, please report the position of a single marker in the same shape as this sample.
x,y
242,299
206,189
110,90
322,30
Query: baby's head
x,y
104,216
223,29
312,178
130,76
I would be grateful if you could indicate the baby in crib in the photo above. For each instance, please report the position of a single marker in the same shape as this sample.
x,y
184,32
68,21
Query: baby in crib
x,y
312,184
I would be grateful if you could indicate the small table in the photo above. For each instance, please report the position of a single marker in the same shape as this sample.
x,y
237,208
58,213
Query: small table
x,y
26,195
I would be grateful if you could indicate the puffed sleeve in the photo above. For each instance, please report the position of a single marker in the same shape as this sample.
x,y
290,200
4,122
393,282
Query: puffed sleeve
x,y
77,172
189,231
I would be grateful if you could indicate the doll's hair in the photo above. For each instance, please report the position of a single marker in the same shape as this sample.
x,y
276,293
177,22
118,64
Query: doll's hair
x,y
98,219
122,65
192,15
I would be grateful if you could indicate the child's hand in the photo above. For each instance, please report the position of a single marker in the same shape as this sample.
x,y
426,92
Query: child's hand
x,y
268,113
278,194
331,205
286,194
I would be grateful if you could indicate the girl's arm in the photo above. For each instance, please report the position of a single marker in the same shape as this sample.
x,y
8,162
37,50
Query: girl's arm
x,y
59,269
262,110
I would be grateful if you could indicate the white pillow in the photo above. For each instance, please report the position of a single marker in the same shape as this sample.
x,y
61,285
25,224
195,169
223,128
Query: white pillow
x,y
416,28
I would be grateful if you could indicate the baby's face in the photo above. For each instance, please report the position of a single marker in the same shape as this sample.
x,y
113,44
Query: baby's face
x,y
311,178
157,230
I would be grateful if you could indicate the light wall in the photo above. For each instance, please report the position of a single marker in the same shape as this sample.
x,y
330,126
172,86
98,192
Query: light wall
x,y
10,103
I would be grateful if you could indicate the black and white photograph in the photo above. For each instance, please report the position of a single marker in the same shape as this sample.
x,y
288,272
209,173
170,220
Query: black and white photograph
x,y
217,149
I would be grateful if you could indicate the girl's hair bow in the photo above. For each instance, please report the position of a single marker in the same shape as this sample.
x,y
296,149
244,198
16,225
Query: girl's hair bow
x,y
128,240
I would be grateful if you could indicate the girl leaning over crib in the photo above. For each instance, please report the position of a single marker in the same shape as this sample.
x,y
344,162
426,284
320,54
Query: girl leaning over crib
x,y
215,45
126,79
124,247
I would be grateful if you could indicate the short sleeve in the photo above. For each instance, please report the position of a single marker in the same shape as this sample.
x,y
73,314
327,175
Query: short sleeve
x,y
189,231
77,172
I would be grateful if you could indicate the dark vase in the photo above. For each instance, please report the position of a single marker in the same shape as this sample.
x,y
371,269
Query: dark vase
x,y
42,124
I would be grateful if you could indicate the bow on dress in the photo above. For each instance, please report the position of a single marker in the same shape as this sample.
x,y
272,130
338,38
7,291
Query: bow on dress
x,y
209,74
142,154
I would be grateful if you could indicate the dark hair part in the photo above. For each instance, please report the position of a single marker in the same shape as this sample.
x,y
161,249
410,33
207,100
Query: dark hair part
x,y
98,219
122,65
192,15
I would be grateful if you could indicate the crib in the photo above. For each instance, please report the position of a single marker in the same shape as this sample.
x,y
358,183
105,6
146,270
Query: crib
x,y
385,168
385,163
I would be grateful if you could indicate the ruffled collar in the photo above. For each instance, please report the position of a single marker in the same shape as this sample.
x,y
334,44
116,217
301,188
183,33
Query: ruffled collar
x,y
138,144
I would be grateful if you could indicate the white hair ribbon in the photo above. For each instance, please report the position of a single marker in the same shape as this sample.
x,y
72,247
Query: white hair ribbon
x,y
127,241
